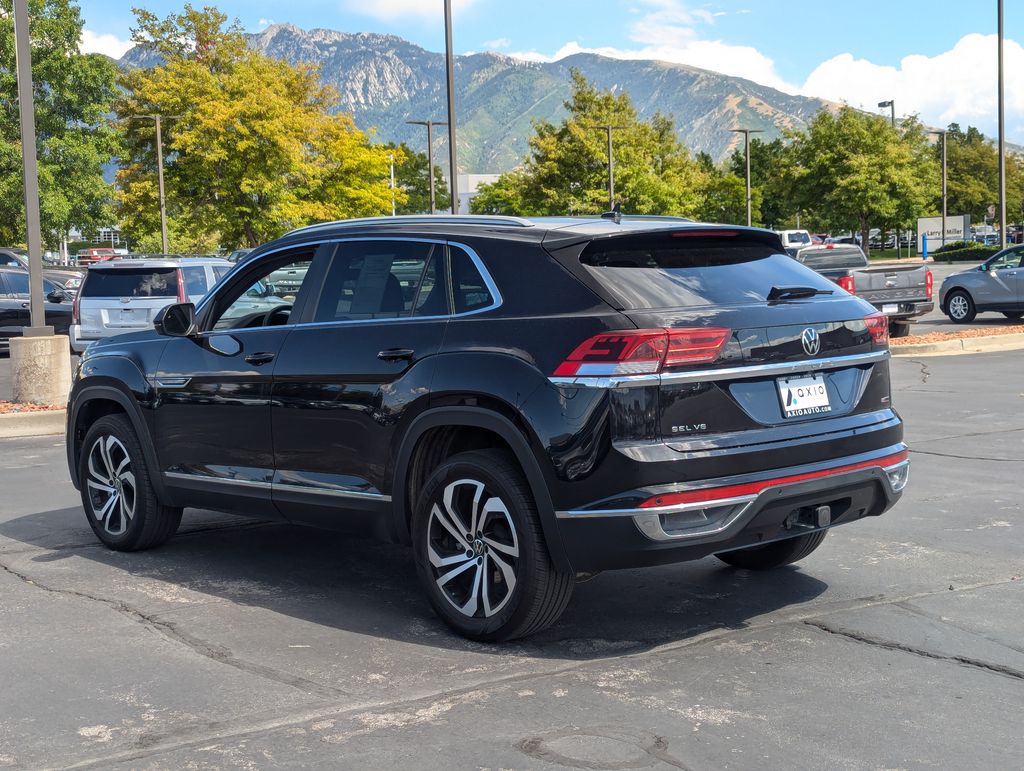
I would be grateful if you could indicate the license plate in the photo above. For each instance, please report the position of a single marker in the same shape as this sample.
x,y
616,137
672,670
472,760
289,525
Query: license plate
x,y
804,396
127,315
889,308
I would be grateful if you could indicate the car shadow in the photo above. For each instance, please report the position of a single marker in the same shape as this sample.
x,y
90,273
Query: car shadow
x,y
371,588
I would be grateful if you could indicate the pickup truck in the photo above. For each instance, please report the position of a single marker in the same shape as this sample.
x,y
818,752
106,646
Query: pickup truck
x,y
901,292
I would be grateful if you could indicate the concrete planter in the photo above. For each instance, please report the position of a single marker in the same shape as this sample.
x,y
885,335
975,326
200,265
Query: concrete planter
x,y
45,423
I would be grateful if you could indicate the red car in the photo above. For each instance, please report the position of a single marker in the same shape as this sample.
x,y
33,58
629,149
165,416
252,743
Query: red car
x,y
98,254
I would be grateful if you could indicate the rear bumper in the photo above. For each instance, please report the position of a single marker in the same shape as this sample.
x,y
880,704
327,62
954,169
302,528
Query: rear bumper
x,y
732,512
908,310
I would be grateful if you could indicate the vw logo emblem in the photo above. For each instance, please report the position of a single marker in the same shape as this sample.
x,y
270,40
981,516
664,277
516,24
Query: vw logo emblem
x,y
811,341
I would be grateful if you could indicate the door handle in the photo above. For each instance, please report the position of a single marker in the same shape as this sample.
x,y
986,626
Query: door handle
x,y
257,359
24,305
396,354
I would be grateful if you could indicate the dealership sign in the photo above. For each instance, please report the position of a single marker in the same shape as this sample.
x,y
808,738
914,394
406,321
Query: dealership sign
x,y
957,229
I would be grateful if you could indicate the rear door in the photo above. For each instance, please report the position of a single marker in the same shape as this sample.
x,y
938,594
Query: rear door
x,y
809,359
117,298
346,381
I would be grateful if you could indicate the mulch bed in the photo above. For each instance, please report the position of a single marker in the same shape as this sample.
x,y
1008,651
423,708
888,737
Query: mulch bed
x,y
7,408
936,337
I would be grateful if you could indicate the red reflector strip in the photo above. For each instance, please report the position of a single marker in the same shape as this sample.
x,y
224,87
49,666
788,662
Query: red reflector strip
x,y
753,488
704,233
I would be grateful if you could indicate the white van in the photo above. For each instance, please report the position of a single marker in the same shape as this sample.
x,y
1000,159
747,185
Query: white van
x,y
795,240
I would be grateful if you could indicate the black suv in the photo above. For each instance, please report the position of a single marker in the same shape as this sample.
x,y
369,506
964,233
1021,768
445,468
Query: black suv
x,y
521,401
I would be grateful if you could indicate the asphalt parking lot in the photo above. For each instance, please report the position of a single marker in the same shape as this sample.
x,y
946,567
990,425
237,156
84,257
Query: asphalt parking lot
x,y
247,644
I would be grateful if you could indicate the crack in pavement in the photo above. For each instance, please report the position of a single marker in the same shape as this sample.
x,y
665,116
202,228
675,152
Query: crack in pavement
x,y
925,372
878,642
945,621
173,633
966,457
972,435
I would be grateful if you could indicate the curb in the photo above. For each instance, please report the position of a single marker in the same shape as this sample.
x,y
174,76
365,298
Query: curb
x,y
17,424
1011,342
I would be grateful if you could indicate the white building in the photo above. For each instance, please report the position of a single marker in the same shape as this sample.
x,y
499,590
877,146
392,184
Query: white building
x,y
468,186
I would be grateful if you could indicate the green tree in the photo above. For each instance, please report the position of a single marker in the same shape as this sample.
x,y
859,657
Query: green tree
x,y
411,178
565,171
767,170
852,168
255,149
72,93
723,198
973,175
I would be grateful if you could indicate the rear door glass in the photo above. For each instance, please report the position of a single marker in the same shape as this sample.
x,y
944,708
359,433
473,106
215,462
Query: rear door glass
x,y
17,283
195,280
471,292
667,270
131,282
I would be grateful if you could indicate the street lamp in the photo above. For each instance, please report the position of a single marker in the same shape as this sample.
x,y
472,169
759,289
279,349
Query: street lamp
x,y
1002,130
746,152
430,155
450,73
944,190
391,158
157,118
892,107
611,163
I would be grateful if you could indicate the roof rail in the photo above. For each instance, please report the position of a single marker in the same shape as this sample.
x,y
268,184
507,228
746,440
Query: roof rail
x,y
482,220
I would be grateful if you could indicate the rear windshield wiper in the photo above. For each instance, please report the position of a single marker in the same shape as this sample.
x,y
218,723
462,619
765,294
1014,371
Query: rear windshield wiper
x,y
780,293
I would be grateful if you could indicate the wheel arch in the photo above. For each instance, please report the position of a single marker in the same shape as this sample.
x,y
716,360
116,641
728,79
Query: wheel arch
x,y
486,420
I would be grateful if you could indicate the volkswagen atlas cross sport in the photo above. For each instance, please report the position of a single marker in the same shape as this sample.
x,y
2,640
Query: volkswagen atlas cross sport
x,y
520,401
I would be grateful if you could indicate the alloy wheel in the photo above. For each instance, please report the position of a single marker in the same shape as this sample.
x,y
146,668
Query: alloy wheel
x,y
111,485
958,306
473,549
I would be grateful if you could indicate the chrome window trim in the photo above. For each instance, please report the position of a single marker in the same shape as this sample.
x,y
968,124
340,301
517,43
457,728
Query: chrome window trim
x,y
497,299
725,373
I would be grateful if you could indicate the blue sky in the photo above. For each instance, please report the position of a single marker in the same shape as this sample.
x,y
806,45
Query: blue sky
x,y
935,57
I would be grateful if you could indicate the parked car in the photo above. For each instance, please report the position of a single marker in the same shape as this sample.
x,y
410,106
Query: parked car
x,y
554,397
900,292
795,240
238,254
96,254
124,295
65,278
14,305
995,285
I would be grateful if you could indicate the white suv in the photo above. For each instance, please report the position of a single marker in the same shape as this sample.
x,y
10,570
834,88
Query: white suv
x,y
124,295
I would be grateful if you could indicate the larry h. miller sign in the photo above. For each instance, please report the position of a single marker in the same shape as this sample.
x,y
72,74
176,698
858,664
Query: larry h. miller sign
x,y
958,228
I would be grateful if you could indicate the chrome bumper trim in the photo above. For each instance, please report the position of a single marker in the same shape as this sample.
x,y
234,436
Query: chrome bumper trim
x,y
726,373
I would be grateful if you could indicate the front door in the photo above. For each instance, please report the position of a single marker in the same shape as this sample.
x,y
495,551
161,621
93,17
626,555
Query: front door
x,y
212,415
347,381
1002,288
14,310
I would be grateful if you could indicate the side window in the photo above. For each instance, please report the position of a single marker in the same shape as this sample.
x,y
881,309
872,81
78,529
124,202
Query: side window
x,y
266,298
468,286
17,283
219,272
8,259
383,280
195,280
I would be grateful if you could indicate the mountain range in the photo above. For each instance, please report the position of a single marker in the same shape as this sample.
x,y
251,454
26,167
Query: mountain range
x,y
385,80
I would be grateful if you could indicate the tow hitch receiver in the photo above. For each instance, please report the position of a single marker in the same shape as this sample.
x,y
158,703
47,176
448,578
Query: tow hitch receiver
x,y
813,517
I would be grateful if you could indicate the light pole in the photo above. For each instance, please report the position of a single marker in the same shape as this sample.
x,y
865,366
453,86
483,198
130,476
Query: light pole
x,y
746,151
892,107
157,118
611,163
450,72
430,155
30,167
391,157
1002,132
944,189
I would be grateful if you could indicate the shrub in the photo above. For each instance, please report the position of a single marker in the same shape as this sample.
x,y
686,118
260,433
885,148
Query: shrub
x,y
973,253
954,246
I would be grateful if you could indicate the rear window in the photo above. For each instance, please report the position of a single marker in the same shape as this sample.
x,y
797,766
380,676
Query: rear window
x,y
668,271
131,282
833,257
195,280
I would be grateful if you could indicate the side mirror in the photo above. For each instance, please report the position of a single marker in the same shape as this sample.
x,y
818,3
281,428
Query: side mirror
x,y
178,320
56,296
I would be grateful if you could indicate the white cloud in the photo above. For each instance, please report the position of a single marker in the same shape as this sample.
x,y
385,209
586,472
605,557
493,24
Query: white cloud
x,y
103,43
957,85
389,10
264,23
497,43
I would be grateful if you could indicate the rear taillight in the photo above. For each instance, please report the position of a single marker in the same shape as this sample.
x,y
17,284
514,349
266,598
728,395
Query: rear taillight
x,y
878,326
181,287
643,351
847,283
76,307
929,283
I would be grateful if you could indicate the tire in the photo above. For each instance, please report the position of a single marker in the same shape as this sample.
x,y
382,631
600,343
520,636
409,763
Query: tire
x,y
1014,315
898,329
776,554
488,610
117,493
960,307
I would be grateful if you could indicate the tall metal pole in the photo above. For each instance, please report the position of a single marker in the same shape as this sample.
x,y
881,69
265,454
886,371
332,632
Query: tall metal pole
x,y
160,183
943,135
430,156
391,157
746,150
611,171
450,68
30,167
1002,134
891,104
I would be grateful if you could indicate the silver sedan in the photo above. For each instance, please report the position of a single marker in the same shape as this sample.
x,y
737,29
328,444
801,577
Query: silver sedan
x,y
995,285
